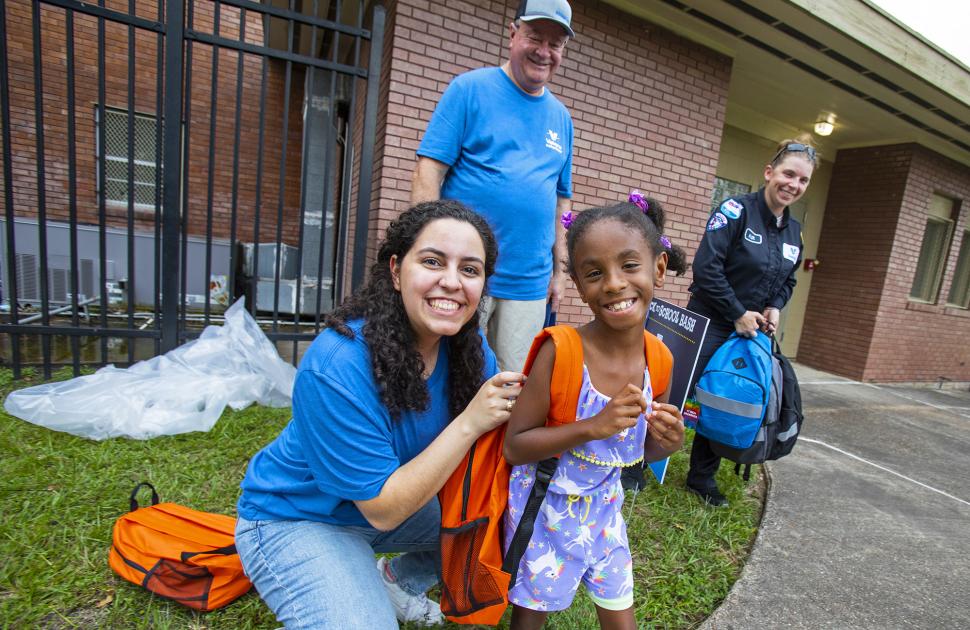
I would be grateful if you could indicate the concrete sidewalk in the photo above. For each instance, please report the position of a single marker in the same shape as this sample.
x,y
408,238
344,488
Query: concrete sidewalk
x,y
867,522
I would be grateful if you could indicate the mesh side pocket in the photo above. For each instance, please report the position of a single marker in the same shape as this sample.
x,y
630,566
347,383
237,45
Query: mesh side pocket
x,y
467,585
185,583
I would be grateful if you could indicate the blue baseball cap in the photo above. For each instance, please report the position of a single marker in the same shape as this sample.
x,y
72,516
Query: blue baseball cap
x,y
558,11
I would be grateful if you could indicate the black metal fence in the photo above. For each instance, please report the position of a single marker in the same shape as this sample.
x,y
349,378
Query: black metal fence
x,y
125,234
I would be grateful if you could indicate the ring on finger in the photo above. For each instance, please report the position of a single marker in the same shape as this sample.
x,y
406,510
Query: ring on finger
x,y
508,404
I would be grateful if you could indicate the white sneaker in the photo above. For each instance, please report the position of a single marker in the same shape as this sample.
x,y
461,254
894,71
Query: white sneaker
x,y
407,607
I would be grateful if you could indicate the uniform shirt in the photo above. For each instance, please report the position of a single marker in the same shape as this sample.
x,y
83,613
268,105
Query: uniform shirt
x,y
341,444
510,155
746,261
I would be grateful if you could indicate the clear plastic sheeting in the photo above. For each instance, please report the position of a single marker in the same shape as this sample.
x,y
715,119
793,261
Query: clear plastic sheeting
x,y
184,390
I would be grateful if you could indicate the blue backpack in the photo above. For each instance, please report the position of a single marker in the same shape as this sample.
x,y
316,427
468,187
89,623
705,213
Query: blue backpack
x,y
734,391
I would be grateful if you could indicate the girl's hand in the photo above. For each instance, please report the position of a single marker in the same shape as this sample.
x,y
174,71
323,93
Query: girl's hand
x,y
494,401
620,413
665,426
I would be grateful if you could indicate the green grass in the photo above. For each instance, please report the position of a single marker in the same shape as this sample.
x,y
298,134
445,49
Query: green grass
x,y
60,496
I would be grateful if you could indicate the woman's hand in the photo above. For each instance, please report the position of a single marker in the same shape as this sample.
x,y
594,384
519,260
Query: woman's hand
x,y
413,484
494,401
620,413
665,425
749,323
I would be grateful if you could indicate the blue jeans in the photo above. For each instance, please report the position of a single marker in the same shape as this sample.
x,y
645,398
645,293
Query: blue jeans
x,y
316,575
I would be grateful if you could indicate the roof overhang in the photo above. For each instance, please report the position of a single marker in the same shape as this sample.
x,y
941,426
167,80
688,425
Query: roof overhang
x,y
796,60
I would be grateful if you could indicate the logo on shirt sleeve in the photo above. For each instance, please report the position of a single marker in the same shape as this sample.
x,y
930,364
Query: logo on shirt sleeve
x,y
790,252
552,141
752,236
717,221
731,209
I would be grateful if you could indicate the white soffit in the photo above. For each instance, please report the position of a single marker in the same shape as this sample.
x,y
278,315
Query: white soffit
x,y
789,65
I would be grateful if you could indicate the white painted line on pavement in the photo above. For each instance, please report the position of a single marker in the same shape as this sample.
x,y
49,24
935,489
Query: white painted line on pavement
x,y
830,383
916,400
888,470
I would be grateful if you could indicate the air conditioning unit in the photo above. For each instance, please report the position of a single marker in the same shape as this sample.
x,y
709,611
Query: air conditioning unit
x,y
58,279
265,296
289,261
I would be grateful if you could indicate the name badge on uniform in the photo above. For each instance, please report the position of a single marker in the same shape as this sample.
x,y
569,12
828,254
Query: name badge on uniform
x,y
752,236
790,252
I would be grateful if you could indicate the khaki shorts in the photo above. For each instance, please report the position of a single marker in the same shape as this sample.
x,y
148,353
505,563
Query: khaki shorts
x,y
510,326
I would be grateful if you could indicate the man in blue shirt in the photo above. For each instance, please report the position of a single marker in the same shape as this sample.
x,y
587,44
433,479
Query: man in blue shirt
x,y
501,143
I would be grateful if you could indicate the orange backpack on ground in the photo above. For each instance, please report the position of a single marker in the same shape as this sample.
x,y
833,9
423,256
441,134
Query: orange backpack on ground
x,y
475,576
178,553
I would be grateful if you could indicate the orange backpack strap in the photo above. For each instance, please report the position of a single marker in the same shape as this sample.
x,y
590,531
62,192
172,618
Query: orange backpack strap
x,y
564,387
567,371
659,361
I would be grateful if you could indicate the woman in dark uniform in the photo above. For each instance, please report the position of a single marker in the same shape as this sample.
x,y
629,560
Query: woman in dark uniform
x,y
744,273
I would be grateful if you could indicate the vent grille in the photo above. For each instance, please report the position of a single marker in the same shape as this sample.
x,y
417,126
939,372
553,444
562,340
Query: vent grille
x,y
58,278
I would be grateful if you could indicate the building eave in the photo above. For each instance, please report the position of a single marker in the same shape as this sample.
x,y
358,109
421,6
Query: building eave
x,y
796,59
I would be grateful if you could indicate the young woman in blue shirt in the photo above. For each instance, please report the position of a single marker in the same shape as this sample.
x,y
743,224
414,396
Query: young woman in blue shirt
x,y
387,401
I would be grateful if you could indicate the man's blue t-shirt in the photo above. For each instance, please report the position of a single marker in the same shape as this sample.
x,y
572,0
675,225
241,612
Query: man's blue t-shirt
x,y
341,444
510,156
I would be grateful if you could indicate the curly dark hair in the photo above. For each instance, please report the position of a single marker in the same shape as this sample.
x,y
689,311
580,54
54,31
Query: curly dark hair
x,y
650,224
396,362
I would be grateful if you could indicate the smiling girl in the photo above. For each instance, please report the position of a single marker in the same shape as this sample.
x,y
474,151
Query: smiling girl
x,y
387,401
617,257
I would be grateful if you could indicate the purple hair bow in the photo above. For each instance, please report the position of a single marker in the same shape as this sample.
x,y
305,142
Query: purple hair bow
x,y
637,198
567,219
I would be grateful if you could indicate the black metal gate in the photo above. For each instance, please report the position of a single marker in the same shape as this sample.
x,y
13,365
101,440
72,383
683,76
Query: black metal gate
x,y
124,234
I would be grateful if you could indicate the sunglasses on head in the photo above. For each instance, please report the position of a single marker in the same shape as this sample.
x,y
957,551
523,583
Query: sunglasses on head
x,y
795,147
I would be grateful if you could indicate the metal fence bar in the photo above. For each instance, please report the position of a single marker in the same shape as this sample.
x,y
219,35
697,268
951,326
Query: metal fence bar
x,y
234,216
174,60
326,172
302,18
348,163
257,209
10,281
41,187
72,190
102,186
367,149
329,176
281,193
303,202
159,169
79,6
131,281
263,51
96,331
213,109
186,168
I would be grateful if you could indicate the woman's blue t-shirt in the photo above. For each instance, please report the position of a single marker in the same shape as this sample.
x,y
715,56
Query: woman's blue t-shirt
x,y
341,444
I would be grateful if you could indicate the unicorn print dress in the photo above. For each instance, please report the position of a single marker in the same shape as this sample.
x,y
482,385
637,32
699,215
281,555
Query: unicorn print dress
x,y
580,535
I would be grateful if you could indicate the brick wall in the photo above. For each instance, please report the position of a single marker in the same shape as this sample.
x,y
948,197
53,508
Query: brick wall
x,y
922,342
200,115
647,105
859,321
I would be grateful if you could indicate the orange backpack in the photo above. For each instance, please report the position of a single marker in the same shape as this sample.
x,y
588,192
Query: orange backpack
x,y
178,553
474,582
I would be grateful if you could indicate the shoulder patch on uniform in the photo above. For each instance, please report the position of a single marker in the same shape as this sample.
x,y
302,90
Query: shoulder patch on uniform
x,y
717,221
731,209
790,252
